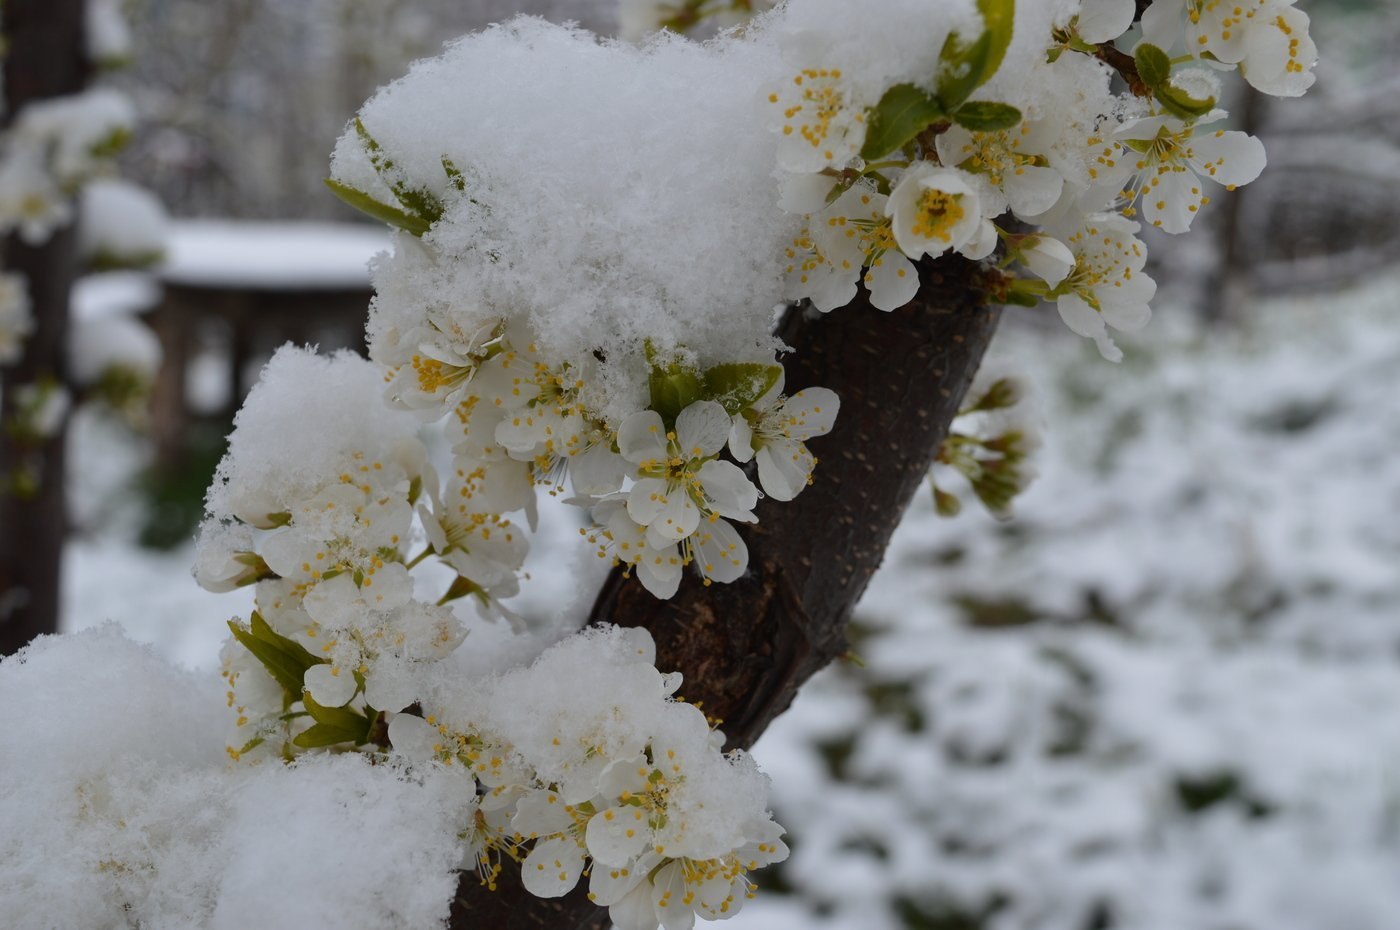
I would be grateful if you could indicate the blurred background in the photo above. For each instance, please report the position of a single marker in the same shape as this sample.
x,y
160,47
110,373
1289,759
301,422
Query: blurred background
x,y
1163,695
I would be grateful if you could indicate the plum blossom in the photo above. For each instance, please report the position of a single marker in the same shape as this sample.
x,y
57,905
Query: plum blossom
x,y
679,480
937,210
1267,39
818,124
775,431
851,236
1107,286
1011,161
1167,159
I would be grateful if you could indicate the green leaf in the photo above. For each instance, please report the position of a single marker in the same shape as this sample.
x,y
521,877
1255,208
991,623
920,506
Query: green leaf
x,y
341,718
999,16
736,387
1181,104
380,211
454,174
987,116
320,735
1153,65
967,66
902,113
285,660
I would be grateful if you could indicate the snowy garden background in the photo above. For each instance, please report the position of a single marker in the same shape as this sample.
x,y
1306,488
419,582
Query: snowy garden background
x,y
1161,696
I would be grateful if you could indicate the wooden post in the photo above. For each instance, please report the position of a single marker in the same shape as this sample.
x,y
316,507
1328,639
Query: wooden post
x,y
46,57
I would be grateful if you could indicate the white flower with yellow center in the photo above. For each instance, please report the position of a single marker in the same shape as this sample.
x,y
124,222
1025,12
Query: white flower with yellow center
x,y
467,533
938,210
624,540
775,431
851,239
1267,39
1167,161
433,364
679,481
818,124
1107,286
1013,163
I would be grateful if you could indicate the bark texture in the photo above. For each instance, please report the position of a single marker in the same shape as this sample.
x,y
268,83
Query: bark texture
x,y
745,648
45,46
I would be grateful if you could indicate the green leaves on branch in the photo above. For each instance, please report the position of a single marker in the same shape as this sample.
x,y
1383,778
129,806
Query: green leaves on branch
x,y
380,211
286,660
1153,65
906,110
417,209
902,113
966,67
1155,70
987,116
333,725
734,386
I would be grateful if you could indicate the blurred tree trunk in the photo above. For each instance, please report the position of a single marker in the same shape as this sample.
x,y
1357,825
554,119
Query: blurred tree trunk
x,y
1228,284
746,648
45,57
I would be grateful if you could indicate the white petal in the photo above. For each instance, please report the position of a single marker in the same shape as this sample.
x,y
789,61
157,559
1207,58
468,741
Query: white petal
x,y
1032,189
1105,20
728,490
784,468
642,437
982,242
893,281
1048,259
668,894
741,439
810,412
702,428
720,552
1227,157
413,737
616,835
648,499
635,911
1080,317
330,686
597,470
552,868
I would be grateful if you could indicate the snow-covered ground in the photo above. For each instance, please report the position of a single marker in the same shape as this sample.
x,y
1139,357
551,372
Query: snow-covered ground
x,y
1161,697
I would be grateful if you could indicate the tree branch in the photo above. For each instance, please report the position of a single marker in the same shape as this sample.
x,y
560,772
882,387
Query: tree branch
x,y
745,648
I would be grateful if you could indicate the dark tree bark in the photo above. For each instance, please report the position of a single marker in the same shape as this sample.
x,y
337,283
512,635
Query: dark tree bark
x,y
45,47
745,648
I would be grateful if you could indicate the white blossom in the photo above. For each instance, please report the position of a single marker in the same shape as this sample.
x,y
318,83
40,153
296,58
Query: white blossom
x,y
1107,286
937,210
775,430
817,122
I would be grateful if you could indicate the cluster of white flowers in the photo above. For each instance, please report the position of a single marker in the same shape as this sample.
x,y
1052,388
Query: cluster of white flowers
x,y
52,149
561,314
929,167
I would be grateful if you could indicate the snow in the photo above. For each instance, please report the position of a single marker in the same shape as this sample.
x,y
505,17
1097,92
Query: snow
x,y
121,224
271,256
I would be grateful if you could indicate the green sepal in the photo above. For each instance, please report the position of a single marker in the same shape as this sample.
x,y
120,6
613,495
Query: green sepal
x,y
673,387
285,660
735,387
281,518
320,735
987,116
1153,65
902,113
339,718
380,211
461,587
1181,104
1015,298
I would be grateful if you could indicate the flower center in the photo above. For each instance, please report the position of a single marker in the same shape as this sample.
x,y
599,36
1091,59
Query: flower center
x,y
938,212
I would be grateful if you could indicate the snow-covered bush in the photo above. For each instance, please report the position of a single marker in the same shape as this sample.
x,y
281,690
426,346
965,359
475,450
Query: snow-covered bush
x,y
591,241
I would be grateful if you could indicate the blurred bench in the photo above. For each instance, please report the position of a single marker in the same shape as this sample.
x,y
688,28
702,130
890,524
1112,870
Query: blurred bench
x,y
241,289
